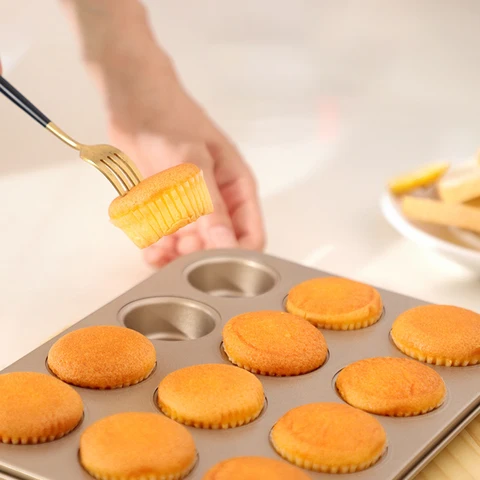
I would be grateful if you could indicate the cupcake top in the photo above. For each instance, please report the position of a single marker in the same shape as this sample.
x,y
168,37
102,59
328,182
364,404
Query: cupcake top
x,y
335,303
103,357
391,386
211,396
329,437
439,334
36,408
254,468
151,187
274,343
137,445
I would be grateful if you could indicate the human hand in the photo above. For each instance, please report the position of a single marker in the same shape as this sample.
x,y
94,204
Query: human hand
x,y
155,122
158,125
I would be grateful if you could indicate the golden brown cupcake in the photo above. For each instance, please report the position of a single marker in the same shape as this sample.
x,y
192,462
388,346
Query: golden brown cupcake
x,y
134,446
329,437
274,343
162,204
103,357
397,387
335,303
254,468
439,334
36,408
211,396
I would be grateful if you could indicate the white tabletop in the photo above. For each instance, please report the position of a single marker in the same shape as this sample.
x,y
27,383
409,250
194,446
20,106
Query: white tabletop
x,y
326,103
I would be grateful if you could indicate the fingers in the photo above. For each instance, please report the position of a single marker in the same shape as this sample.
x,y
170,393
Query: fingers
x,y
211,231
162,252
216,229
244,206
185,241
239,192
189,240
188,244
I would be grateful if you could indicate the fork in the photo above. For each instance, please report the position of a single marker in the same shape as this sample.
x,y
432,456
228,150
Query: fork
x,y
114,164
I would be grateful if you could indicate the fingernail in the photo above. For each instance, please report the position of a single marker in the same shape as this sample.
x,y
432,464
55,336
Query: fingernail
x,y
222,237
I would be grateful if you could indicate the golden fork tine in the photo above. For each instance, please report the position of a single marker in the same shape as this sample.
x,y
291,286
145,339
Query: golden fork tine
x,y
118,171
119,186
135,173
114,164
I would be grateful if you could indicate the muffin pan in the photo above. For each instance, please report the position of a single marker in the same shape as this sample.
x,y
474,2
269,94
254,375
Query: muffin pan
x,y
182,309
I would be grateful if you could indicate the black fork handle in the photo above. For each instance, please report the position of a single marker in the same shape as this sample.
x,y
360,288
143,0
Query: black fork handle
x,y
18,99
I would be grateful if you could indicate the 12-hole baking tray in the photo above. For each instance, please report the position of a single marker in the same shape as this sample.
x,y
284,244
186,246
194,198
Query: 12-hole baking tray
x,y
183,308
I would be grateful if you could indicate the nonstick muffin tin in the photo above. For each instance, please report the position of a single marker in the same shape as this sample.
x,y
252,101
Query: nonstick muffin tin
x,y
182,309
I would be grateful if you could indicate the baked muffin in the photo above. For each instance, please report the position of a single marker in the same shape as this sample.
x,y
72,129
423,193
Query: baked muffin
x,y
274,343
329,437
335,303
137,445
36,408
102,357
211,396
397,387
439,334
254,468
162,204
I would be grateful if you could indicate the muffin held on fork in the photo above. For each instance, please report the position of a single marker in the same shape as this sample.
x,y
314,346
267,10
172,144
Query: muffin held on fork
x,y
162,204
146,210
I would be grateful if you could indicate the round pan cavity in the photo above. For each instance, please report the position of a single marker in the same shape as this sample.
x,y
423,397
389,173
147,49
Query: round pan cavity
x,y
169,318
231,277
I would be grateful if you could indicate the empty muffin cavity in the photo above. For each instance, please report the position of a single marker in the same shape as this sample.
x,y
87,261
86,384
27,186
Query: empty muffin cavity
x,y
169,318
231,277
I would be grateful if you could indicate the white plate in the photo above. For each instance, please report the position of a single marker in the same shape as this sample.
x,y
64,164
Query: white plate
x,y
458,245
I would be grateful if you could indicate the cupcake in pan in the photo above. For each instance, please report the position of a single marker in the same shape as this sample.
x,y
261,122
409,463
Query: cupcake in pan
x,y
398,387
254,468
36,408
211,396
439,334
329,437
102,357
162,204
137,445
335,303
274,343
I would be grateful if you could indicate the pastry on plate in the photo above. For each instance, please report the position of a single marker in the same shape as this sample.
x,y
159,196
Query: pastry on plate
x,y
439,334
211,396
162,204
460,185
424,176
335,303
274,343
102,357
329,437
430,210
254,468
398,387
36,408
137,445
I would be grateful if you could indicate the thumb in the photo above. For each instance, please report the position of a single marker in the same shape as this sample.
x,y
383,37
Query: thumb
x,y
216,229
